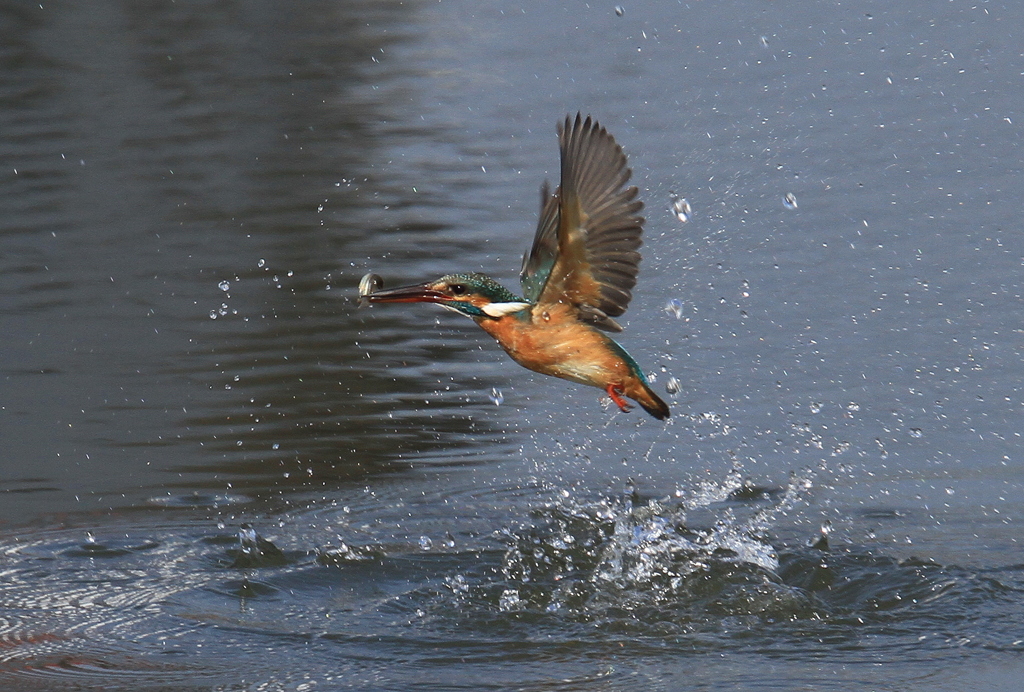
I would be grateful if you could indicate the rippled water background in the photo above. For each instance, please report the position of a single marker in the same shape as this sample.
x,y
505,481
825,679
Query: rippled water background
x,y
218,474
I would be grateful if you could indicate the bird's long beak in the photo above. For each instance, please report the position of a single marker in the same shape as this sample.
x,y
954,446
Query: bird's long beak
x,y
421,293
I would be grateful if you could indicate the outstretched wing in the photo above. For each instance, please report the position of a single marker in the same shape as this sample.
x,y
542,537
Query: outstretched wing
x,y
585,249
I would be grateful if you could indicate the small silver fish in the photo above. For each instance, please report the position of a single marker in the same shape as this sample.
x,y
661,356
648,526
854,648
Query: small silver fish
x,y
367,285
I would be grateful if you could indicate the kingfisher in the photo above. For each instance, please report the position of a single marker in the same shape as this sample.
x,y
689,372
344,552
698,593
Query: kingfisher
x,y
576,278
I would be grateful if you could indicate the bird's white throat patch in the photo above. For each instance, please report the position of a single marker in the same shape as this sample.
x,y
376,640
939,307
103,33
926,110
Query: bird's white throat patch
x,y
502,309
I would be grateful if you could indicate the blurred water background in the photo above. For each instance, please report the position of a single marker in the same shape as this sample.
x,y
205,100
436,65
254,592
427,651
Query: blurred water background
x,y
219,474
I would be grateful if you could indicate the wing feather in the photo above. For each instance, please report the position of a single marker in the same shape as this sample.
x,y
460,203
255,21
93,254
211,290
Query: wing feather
x,y
585,250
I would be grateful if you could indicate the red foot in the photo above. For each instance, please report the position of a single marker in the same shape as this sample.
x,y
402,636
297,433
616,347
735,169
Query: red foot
x,y
614,391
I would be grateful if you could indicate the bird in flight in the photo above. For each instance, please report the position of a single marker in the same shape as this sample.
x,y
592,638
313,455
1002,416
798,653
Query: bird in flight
x,y
576,278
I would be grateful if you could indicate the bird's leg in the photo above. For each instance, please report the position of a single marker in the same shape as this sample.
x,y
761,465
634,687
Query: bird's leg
x,y
615,392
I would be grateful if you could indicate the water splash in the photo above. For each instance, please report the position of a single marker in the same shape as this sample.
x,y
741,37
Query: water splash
x,y
655,560
255,551
496,396
789,201
821,542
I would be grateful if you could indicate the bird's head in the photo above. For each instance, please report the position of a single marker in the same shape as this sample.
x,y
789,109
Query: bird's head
x,y
474,295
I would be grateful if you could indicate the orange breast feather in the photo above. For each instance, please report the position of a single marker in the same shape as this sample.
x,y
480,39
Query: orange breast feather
x,y
555,343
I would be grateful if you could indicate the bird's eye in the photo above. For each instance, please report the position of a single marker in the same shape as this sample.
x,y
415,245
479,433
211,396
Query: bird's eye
x,y
457,289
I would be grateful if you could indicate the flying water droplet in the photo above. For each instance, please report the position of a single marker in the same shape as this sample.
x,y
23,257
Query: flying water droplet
x,y
496,396
672,386
916,432
619,10
815,407
674,307
681,209
224,285
789,201
425,543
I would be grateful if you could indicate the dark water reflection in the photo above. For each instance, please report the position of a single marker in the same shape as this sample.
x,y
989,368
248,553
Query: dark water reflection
x,y
190,148
190,192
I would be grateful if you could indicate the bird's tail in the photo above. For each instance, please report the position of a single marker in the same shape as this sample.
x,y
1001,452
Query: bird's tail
x,y
651,402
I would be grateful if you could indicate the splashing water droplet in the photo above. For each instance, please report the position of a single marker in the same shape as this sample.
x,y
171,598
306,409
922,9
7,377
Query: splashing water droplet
x,y
853,407
674,307
916,432
247,536
509,600
672,386
815,407
821,542
425,543
619,10
262,263
458,584
681,209
496,396
789,201
224,285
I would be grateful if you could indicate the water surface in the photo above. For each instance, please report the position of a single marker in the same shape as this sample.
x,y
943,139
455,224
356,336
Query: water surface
x,y
191,192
